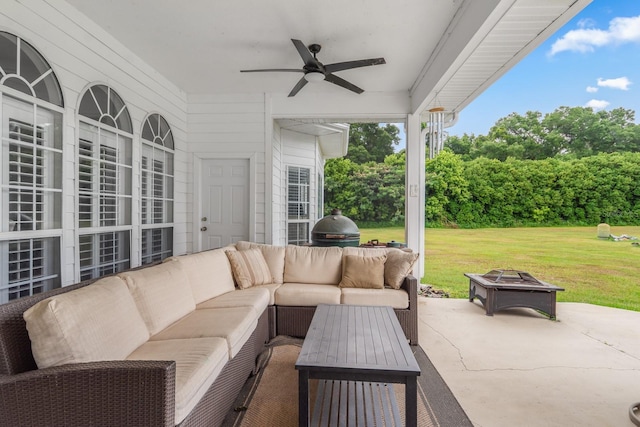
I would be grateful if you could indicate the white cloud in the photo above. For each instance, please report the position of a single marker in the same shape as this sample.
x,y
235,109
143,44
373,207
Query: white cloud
x,y
621,83
621,30
597,104
592,89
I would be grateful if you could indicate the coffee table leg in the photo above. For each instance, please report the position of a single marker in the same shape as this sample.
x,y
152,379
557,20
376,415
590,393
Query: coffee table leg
x,y
411,402
303,398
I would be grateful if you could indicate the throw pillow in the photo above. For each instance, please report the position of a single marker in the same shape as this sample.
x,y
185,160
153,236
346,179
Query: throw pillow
x,y
363,272
249,268
399,264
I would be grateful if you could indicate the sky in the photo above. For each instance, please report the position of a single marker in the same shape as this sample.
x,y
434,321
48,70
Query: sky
x,y
592,61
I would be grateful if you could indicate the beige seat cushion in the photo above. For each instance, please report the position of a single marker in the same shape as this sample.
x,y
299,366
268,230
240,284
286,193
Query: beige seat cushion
x,y
209,273
93,323
318,265
199,361
162,294
235,324
398,266
273,255
307,294
256,297
363,272
396,298
249,268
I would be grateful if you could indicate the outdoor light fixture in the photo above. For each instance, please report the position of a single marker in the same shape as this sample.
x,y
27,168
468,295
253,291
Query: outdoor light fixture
x,y
314,76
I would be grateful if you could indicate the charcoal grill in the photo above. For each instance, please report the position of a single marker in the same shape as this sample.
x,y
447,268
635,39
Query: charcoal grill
x,y
507,288
335,230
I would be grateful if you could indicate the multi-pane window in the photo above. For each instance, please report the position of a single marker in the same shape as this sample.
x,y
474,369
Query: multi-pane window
x,y
104,183
298,204
156,189
31,169
103,253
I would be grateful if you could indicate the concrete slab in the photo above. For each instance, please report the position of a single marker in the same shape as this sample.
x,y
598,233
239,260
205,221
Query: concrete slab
x,y
518,368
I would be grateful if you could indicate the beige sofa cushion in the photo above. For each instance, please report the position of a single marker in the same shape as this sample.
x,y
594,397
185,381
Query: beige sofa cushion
x,y
350,250
235,324
363,272
162,294
398,266
198,363
396,298
209,273
273,255
316,265
249,268
305,294
93,323
257,297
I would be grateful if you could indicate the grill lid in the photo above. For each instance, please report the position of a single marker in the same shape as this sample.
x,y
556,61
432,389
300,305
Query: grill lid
x,y
336,226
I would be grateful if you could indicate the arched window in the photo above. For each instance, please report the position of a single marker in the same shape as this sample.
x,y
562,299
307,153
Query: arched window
x,y
104,183
157,189
23,68
31,163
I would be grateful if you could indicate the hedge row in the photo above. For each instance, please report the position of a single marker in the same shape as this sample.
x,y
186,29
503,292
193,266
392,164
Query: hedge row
x,y
492,193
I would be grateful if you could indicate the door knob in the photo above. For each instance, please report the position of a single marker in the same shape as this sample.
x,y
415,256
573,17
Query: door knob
x,y
203,219
203,229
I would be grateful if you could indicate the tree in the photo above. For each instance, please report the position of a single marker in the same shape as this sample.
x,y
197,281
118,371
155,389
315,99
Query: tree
x,y
573,132
371,142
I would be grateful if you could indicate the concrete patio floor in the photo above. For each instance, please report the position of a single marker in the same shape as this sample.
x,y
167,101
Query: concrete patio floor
x,y
518,368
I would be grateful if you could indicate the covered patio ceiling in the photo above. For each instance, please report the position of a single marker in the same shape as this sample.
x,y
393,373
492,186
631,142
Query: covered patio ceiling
x,y
440,53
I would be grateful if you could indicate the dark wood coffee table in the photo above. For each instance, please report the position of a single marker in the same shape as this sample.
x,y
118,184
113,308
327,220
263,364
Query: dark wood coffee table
x,y
357,343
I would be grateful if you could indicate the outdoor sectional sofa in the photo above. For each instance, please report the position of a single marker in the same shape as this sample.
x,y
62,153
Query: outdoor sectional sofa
x,y
173,343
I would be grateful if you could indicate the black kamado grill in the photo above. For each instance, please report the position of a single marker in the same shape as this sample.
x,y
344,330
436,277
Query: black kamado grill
x,y
335,230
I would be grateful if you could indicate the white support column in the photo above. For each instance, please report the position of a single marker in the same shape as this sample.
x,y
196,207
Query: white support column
x,y
415,191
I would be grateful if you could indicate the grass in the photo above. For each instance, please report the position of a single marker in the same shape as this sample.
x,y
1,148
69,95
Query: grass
x,y
591,270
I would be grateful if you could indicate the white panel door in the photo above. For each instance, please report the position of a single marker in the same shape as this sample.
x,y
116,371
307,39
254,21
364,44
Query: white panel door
x,y
225,202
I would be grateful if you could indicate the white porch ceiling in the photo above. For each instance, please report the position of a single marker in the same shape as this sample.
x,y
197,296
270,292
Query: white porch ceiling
x,y
450,48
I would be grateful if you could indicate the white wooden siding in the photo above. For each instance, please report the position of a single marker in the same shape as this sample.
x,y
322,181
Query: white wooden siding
x,y
278,190
81,54
227,125
302,150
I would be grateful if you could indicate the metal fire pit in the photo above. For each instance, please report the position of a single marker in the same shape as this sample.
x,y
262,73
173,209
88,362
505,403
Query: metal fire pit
x,y
500,289
335,230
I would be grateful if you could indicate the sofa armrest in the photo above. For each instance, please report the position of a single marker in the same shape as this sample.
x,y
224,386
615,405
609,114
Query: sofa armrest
x,y
113,393
410,284
409,318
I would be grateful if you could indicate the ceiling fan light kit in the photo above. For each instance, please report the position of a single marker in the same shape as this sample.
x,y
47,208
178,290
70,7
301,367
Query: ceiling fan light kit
x,y
314,76
315,71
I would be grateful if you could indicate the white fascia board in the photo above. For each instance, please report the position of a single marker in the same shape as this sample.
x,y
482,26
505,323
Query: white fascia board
x,y
472,21
340,107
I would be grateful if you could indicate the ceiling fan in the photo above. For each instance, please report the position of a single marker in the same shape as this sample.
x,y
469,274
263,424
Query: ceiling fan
x,y
316,71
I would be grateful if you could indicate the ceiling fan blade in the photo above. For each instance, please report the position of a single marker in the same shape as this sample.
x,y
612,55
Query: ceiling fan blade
x,y
342,82
298,86
339,66
307,57
289,70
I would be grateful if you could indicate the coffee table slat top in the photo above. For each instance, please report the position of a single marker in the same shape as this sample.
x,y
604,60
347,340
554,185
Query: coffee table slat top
x,y
357,338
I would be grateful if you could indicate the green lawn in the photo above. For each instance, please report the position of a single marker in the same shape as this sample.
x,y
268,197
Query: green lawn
x,y
592,270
